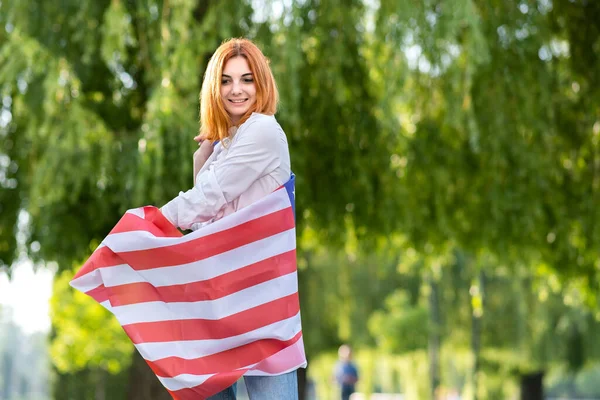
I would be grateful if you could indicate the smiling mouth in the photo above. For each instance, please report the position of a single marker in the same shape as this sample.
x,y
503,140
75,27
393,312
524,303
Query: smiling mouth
x,y
237,101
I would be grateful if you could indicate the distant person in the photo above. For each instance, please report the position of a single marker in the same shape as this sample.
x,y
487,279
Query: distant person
x,y
346,373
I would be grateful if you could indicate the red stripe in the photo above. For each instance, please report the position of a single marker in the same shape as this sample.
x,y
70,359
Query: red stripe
x,y
211,386
154,223
100,294
101,258
219,382
154,215
235,358
210,289
200,329
211,245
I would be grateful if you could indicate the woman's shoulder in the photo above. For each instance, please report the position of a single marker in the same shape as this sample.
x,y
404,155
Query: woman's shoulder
x,y
261,120
261,125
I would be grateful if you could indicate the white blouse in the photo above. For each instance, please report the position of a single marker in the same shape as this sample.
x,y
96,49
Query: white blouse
x,y
252,165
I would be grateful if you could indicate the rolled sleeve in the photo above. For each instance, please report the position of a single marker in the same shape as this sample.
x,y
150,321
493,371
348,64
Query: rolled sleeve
x,y
199,204
253,154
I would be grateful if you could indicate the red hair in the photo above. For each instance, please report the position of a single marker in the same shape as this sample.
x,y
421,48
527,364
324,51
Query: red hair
x,y
214,120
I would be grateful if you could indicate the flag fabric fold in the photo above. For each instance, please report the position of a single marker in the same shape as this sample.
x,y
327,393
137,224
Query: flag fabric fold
x,y
205,308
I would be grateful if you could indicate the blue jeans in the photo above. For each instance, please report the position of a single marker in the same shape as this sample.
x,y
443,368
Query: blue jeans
x,y
265,388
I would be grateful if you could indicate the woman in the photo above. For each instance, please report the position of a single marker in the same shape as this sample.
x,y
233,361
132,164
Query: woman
x,y
243,156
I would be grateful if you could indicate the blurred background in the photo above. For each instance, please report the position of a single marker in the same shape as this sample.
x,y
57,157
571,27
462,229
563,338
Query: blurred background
x,y
447,155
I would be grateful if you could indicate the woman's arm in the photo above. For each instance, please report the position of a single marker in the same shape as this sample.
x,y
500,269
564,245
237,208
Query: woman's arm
x,y
201,155
254,153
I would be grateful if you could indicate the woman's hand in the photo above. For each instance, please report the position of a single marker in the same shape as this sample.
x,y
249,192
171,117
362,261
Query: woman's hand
x,y
204,151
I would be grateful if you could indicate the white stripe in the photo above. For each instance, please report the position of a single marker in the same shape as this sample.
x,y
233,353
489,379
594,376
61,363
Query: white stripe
x,y
137,211
106,304
288,359
183,381
186,381
258,372
87,282
209,309
193,272
204,269
143,240
191,349
182,274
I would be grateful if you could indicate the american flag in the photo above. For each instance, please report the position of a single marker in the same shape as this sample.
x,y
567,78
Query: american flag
x,y
205,308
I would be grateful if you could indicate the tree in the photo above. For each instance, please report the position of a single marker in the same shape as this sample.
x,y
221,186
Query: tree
x,y
489,161
462,125
496,155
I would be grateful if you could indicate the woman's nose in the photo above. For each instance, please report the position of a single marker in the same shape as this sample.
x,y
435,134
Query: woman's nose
x,y
236,88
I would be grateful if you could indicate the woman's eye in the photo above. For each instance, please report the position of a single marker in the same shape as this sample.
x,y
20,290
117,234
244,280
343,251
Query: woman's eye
x,y
248,80
225,81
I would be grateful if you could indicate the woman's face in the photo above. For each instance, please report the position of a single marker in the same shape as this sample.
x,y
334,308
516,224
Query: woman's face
x,y
238,91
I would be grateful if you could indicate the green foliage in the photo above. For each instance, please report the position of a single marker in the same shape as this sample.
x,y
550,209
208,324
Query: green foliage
x,y
469,130
341,289
86,335
105,107
401,327
497,154
338,138
492,150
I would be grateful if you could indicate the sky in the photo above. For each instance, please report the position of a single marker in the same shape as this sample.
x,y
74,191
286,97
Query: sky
x,y
27,294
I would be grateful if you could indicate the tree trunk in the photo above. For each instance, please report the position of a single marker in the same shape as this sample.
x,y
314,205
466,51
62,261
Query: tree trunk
x,y
476,327
7,372
143,383
100,385
532,387
434,336
302,383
